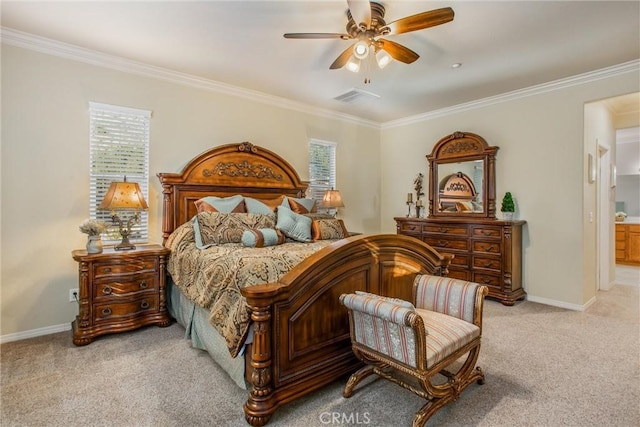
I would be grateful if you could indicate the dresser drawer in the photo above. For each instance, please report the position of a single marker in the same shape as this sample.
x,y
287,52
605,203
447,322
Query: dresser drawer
x,y
119,310
487,232
487,247
489,263
460,259
487,279
411,227
444,244
456,230
458,274
125,266
121,288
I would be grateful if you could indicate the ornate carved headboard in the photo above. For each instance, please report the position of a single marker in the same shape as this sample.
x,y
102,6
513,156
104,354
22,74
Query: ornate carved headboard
x,y
224,171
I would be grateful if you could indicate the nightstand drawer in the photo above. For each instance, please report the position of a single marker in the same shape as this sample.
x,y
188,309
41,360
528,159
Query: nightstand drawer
x,y
122,288
125,266
415,227
118,310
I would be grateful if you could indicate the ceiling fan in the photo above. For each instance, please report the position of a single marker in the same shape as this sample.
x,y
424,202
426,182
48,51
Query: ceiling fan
x,y
366,25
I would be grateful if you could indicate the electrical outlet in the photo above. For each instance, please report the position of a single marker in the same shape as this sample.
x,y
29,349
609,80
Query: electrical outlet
x,y
74,295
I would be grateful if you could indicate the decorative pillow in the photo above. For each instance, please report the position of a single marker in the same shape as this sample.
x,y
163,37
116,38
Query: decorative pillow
x,y
221,204
214,228
301,206
323,229
397,301
262,237
263,206
293,225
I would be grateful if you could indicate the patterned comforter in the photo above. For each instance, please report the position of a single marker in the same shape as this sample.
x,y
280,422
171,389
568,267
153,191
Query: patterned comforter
x,y
212,277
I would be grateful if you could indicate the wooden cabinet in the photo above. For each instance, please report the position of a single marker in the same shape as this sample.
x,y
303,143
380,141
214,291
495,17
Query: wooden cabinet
x,y
628,244
120,291
485,251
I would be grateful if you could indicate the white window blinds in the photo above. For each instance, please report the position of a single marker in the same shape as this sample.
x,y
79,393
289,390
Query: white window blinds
x,y
118,148
322,169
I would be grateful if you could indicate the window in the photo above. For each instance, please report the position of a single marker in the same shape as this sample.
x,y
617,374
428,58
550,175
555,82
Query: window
x,y
118,148
322,169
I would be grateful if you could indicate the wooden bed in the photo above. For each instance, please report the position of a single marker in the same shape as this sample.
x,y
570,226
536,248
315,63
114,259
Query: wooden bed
x,y
300,331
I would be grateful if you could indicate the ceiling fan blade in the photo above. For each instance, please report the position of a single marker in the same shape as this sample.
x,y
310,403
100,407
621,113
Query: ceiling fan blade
x,y
419,21
317,36
342,60
397,51
360,11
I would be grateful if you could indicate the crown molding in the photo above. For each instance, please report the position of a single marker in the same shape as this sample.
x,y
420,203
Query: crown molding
x,y
64,50
624,68
52,47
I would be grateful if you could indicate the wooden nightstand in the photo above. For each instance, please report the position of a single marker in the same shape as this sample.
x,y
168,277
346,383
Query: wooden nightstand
x,y
120,291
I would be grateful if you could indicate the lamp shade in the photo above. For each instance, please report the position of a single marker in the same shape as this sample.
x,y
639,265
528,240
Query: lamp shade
x,y
123,196
332,199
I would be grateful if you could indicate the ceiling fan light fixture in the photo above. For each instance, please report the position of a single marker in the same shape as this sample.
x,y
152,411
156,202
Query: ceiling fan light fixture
x,y
383,58
361,49
353,64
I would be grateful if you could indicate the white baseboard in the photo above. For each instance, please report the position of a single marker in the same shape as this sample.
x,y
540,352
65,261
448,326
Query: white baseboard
x,y
35,333
561,304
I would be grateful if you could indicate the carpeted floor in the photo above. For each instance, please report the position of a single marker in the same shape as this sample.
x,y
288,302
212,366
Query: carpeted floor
x,y
544,366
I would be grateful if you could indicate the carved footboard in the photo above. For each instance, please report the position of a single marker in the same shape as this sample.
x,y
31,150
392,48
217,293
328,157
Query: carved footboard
x,y
301,332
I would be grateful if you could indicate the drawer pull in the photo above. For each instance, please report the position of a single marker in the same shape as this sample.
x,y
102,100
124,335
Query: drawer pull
x,y
443,243
143,266
144,305
444,230
486,280
106,311
144,284
107,290
107,269
487,264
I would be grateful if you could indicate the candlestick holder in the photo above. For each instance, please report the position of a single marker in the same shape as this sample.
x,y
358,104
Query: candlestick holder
x,y
418,208
409,208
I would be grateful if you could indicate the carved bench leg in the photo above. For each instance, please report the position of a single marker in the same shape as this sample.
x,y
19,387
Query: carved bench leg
x,y
355,378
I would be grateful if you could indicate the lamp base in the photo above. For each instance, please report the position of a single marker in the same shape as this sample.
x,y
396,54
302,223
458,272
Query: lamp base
x,y
125,245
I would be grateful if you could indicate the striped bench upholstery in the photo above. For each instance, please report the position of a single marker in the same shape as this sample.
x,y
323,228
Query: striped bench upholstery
x,y
421,339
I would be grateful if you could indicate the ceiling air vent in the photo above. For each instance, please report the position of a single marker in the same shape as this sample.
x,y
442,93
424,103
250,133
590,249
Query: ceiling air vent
x,y
355,96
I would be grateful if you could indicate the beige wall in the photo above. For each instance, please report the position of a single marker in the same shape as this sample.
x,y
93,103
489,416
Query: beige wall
x,y
45,165
541,161
44,177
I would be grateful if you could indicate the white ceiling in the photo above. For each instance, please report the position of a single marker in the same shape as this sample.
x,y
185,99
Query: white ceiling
x,y
503,46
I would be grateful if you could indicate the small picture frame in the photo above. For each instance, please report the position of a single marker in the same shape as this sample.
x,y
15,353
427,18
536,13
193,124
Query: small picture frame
x,y
591,171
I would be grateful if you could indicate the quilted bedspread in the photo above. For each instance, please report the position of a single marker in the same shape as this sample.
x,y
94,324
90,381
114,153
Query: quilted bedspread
x,y
212,277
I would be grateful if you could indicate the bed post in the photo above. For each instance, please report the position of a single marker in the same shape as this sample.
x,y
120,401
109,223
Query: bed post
x,y
261,403
167,212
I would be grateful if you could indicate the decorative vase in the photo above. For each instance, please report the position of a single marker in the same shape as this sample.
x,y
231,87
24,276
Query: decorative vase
x,y
94,245
508,216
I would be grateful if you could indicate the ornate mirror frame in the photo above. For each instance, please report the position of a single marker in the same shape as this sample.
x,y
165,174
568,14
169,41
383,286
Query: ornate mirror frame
x,y
457,148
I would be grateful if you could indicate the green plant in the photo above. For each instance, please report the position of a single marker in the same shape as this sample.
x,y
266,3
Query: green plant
x,y
507,203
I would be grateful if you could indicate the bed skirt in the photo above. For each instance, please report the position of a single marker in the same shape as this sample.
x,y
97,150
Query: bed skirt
x,y
203,336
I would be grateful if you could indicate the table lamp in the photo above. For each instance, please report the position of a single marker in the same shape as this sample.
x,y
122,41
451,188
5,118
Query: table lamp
x,y
332,199
124,196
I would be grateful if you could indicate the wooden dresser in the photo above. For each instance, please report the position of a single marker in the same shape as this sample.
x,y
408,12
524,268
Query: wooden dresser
x,y
120,291
628,244
486,251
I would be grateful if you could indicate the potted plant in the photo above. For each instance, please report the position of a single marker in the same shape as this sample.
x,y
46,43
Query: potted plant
x,y
93,228
508,207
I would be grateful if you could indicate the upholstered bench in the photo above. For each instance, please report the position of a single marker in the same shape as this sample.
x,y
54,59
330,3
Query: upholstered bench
x,y
412,344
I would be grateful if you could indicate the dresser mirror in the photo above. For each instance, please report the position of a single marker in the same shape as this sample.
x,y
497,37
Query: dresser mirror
x,y
462,177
